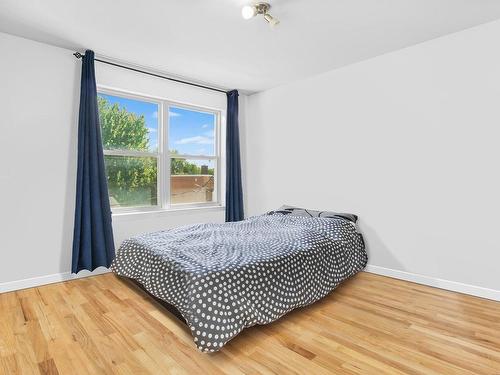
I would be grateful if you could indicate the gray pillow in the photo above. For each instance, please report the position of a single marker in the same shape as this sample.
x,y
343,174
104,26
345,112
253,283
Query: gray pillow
x,y
297,211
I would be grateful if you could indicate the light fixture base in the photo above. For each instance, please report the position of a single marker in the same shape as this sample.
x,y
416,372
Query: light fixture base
x,y
262,8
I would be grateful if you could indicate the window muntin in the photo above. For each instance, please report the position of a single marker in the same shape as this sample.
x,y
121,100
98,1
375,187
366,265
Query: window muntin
x,y
143,173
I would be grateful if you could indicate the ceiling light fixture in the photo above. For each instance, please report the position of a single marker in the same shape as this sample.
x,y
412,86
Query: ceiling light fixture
x,y
250,11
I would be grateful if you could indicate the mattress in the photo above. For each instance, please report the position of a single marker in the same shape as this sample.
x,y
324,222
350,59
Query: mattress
x,y
225,277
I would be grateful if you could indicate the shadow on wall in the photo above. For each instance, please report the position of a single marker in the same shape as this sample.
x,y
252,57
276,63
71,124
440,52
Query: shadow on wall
x,y
378,252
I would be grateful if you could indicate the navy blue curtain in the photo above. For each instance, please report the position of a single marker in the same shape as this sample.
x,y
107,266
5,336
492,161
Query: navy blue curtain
x,y
93,244
234,193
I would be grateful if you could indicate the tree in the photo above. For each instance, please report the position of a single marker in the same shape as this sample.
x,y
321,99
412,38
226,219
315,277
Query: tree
x,y
121,129
181,166
131,180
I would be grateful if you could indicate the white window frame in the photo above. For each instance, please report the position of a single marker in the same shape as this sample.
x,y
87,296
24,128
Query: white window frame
x,y
163,155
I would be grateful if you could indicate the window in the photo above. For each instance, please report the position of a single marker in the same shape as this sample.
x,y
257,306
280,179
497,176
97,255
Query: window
x,y
158,154
193,159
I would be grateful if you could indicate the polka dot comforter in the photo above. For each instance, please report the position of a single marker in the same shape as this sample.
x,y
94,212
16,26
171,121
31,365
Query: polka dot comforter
x,y
225,277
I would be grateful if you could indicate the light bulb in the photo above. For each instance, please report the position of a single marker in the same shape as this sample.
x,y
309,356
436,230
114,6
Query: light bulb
x,y
271,20
248,12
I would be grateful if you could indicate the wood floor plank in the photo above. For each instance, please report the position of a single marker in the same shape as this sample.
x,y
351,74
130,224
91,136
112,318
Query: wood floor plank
x,y
370,325
48,367
9,365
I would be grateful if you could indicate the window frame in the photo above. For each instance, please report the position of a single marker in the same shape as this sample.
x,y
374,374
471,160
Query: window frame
x,y
163,155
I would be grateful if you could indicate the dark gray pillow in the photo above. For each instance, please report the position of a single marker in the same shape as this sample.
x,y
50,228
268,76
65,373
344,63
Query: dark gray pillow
x,y
297,211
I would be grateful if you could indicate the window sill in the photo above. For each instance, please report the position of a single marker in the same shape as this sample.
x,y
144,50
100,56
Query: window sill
x,y
164,211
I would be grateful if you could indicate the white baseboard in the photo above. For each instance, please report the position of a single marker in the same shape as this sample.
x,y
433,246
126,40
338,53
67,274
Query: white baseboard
x,y
413,277
435,282
48,279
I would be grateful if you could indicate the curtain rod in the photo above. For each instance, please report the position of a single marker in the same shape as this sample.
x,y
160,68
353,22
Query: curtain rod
x,y
78,55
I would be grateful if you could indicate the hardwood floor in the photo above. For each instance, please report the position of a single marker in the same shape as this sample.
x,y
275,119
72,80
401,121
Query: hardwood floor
x,y
369,325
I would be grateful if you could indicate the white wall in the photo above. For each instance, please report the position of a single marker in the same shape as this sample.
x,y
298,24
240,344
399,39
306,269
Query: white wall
x,y
408,141
39,96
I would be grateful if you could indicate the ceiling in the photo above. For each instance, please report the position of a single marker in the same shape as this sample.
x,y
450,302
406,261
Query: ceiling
x,y
209,41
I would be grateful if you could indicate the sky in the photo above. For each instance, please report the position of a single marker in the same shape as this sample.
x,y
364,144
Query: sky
x,y
190,132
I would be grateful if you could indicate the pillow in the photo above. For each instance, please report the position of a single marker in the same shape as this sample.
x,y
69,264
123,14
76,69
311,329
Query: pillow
x,y
297,211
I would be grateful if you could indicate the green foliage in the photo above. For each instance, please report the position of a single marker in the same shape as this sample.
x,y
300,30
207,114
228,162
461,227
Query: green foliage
x,y
183,167
121,129
131,180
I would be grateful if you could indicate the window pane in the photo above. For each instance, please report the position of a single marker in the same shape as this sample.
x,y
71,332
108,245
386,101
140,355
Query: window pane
x,y
191,181
128,124
191,132
131,180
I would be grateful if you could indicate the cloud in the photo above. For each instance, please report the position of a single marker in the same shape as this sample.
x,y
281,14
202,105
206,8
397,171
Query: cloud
x,y
198,140
204,126
152,130
173,114
154,114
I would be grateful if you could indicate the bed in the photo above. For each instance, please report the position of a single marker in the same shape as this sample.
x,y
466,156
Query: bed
x,y
222,278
